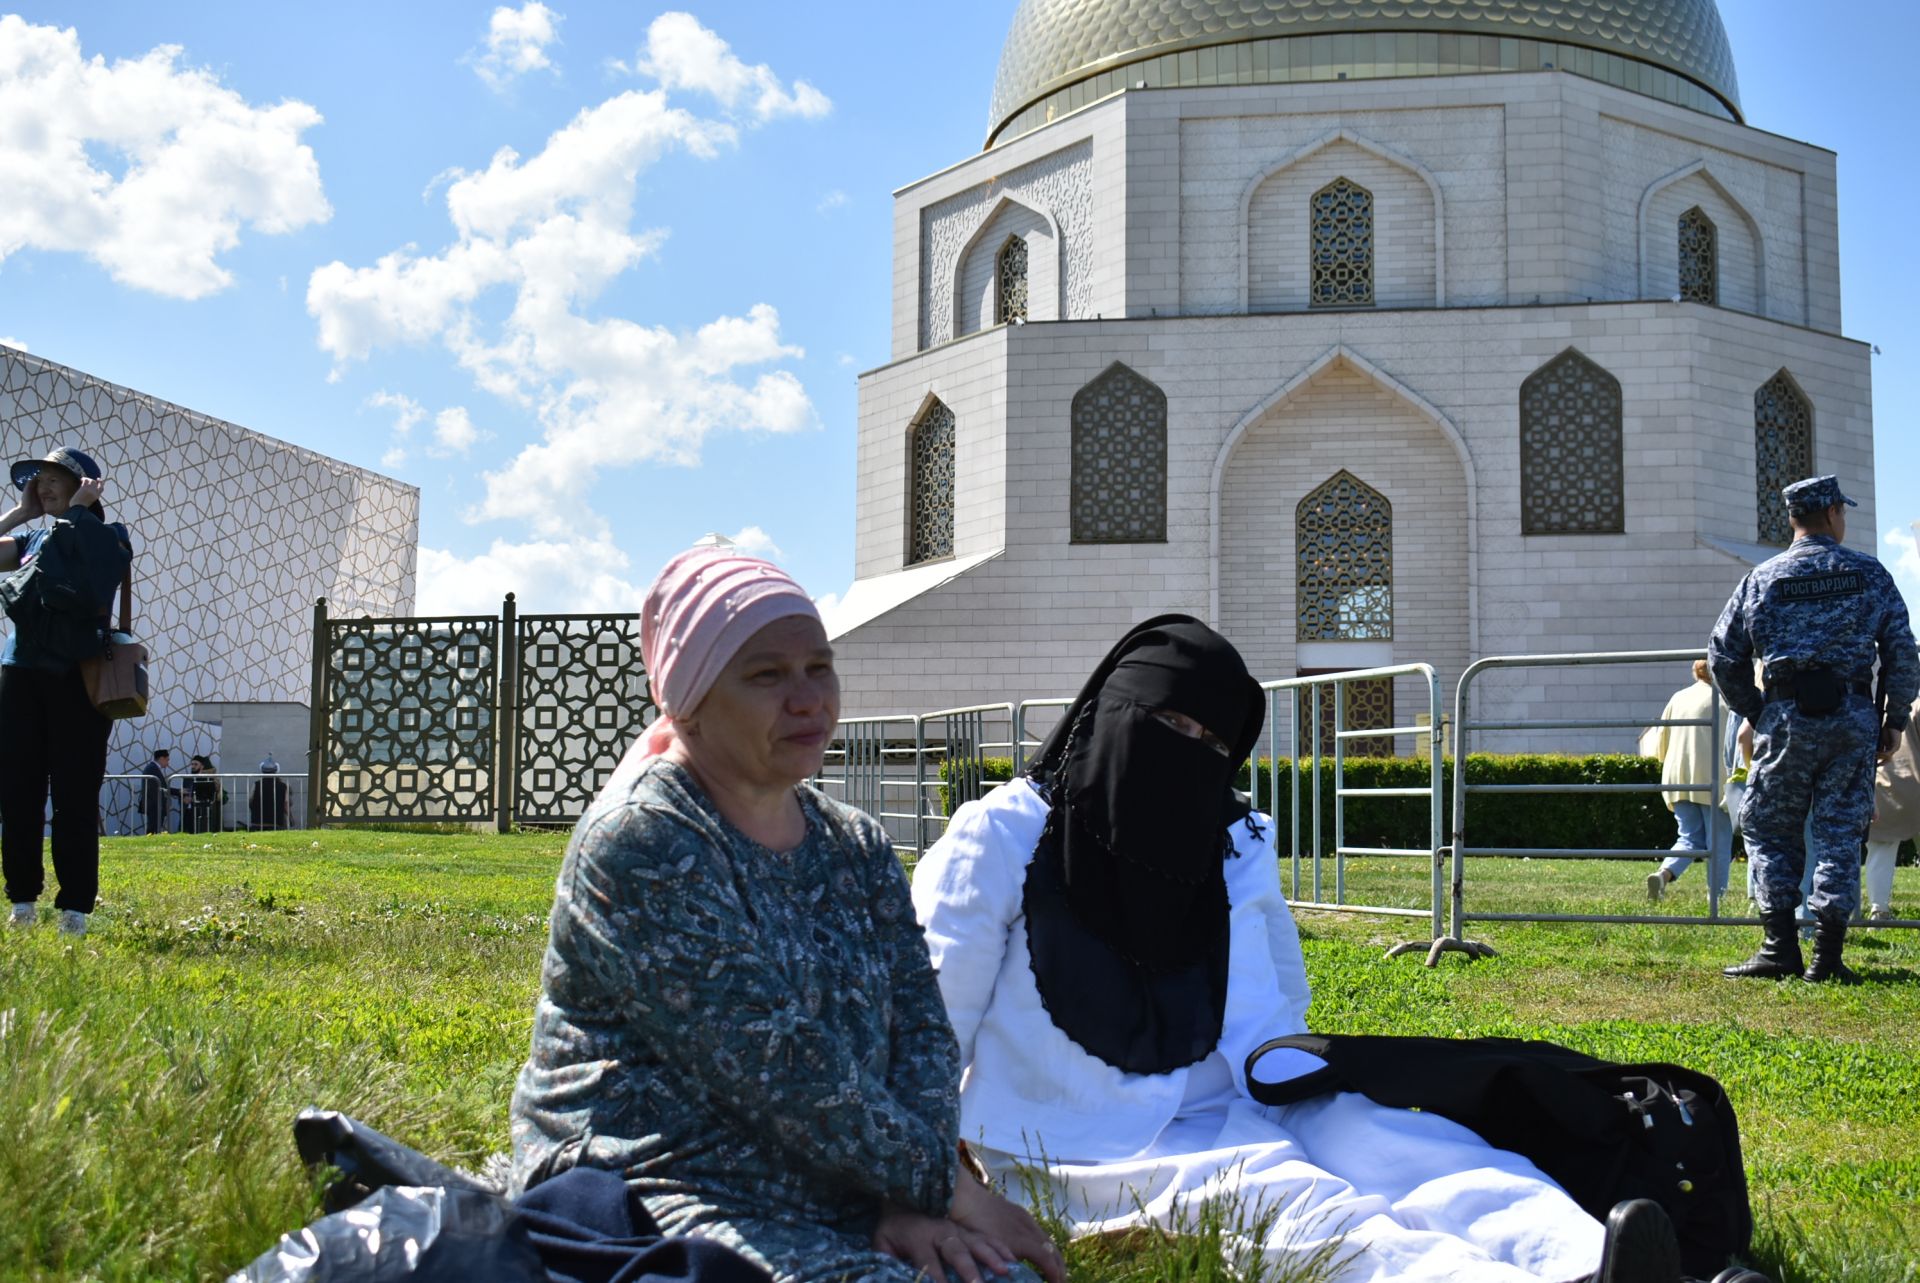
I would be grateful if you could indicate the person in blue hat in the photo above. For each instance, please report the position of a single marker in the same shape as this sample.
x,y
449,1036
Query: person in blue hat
x,y
52,739
1816,616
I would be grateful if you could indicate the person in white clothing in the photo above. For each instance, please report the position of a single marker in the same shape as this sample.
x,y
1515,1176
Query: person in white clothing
x,y
1896,817
1687,756
1111,941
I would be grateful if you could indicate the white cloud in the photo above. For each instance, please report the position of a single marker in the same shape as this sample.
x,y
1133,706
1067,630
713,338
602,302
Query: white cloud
x,y
517,41
406,411
395,457
453,431
13,343
150,169
555,228
682,54
752,541
585,573
835,199
1905,542
1905,562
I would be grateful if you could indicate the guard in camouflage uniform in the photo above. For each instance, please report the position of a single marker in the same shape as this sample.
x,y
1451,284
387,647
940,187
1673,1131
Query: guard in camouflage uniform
x,y
1815,616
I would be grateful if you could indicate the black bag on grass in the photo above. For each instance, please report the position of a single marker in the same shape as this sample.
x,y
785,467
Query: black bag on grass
x,y
1604,1132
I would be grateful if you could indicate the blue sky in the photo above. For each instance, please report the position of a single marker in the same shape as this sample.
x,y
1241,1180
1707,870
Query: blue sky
x,y
599,277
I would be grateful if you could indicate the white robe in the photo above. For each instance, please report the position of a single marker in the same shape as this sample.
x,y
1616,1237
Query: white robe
x,y
1416,1197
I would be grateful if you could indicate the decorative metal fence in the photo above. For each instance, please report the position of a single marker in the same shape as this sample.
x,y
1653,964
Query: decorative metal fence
x,y
471,719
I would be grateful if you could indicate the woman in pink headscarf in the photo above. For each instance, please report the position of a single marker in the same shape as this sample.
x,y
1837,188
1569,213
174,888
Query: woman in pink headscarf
x,y
737,1011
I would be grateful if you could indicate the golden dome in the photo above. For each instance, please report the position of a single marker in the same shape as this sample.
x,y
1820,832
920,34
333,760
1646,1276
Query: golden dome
x,y
1061,54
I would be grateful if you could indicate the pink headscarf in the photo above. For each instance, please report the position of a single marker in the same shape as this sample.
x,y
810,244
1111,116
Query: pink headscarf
x,y
701,609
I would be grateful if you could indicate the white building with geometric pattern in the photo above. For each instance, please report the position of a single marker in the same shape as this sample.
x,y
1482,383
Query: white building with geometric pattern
x,y
235,534
1369,332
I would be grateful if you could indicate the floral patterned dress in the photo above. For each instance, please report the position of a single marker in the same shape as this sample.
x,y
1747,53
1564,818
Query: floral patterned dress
x,y
753,1039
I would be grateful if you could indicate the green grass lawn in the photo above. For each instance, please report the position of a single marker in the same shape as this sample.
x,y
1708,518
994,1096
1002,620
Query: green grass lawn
x,y
149,1074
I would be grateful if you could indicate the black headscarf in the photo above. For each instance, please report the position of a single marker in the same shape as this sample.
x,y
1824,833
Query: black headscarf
x,y
1126,898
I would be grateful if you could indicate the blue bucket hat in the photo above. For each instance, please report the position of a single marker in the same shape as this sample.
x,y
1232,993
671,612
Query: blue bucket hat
x,y
78,462
1815,494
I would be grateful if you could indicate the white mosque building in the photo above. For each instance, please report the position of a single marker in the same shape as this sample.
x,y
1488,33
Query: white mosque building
x,y
1369,331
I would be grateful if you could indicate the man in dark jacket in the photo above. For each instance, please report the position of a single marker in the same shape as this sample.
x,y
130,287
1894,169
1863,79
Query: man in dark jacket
x,y
152,799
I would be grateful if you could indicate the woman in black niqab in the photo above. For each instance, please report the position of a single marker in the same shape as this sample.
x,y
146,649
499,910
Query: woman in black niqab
x,y
1126,897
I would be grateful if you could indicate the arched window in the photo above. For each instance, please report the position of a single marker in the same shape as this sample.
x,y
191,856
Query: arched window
x,y
1342,245
1119,478
1699,257
1343,576
1010,281
1572,474
930,452
1782,451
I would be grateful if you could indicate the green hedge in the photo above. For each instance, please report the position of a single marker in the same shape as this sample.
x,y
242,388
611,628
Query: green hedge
x,y
1637,820
1563,821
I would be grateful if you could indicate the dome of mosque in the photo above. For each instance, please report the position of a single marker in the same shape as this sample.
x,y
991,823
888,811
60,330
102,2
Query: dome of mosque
x,y
1063,54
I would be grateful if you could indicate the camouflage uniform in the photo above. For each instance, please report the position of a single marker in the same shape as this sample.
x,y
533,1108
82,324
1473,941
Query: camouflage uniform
x,y
1817,604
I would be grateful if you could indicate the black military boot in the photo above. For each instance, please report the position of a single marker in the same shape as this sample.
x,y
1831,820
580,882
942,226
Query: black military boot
x,y
1779,955
1829,938
1640,1246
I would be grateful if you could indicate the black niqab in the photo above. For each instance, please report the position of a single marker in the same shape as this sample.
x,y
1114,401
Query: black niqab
x,y
1126,898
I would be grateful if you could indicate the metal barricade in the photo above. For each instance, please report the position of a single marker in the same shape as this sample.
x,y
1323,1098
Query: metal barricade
x,y
1292,691
120,812
205,802
900,768
1464,789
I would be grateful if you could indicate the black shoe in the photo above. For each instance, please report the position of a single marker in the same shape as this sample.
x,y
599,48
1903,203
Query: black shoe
x,y
1779,955
1740,1274
1640,1246
1829,939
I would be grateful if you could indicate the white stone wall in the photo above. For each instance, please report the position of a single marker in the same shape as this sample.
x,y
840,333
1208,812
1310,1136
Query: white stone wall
x,y
1758,208
1290,157
234,535
1339,419
1031,622
1279,238
1548,220
1546,187
1058,188
979,267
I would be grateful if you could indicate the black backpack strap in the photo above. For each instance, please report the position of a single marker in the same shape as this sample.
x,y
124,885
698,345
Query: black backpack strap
x,y
1301,1061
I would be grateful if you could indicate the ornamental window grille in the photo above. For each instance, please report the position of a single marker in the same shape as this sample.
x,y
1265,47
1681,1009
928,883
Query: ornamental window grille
x,y
1343,575
1572,469
1782,449
930,453
1369,706
1699,257
1010,282
1119,477
1342,245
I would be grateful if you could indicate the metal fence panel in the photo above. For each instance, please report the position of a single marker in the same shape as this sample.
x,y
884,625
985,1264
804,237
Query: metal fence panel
x,y
406,719
581,699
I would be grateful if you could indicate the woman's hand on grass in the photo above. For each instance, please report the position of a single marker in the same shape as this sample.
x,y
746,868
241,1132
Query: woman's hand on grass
x,y
938,1247
1009,1226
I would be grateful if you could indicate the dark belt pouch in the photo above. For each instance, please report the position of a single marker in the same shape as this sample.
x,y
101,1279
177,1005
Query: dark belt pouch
x,y
1819,691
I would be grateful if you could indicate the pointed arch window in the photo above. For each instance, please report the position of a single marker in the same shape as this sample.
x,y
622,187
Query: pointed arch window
x,y
1699,257
1119,478
1572,473
1782,449
1010,281
1343,574
930,454
1342,245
